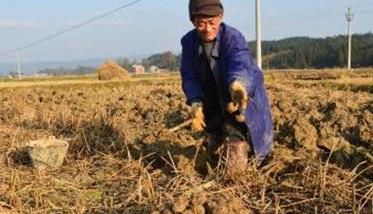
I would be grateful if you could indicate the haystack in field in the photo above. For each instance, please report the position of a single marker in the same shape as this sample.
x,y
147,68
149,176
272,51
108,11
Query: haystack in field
x,y
111,70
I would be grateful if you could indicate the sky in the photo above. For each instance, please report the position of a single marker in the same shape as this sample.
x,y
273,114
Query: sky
x,y
155,26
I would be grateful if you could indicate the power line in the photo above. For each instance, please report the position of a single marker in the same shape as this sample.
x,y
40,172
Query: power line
x,y
117,46
278,23
128,38
37,42
271,20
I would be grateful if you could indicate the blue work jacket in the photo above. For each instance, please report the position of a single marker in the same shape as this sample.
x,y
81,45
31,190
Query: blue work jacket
x,y
231,61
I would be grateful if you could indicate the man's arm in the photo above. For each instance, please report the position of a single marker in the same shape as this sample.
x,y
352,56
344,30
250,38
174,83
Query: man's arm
x,y
240,65
191,82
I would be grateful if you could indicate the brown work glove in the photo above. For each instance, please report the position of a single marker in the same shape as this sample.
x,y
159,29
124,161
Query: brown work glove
x,y
239,100
198,123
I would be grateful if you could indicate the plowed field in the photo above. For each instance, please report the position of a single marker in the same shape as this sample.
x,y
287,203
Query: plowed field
x,y
123,159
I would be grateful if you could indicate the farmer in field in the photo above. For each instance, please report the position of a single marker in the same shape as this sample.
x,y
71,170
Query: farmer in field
x,y
224,87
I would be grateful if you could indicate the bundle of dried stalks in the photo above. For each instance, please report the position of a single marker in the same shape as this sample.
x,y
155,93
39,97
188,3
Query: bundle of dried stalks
x,y
111,70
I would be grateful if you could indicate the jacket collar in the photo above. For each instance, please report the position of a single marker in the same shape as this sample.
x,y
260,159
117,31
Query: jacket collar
x,y
215,48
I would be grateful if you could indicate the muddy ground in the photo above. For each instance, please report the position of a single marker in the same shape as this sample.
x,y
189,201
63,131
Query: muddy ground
x,y
123,159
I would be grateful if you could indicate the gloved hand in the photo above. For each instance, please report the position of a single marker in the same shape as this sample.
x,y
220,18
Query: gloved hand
x,y
198,122
239,100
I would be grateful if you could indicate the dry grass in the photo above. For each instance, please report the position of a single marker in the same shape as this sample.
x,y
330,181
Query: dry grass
x,y
77,81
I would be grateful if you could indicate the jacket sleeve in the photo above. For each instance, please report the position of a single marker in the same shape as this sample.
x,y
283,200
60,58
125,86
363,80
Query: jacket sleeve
x,y
240,65
191,82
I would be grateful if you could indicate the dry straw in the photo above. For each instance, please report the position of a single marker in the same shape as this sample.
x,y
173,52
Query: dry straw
x,y
111,71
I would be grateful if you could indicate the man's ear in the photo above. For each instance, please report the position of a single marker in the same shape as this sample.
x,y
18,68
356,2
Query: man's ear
x,y
221,16
193,20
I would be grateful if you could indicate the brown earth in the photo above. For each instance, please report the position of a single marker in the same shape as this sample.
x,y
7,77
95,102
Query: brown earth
x,y
122,159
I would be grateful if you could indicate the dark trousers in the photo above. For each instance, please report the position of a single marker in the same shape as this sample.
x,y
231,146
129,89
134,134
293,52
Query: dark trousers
x,y
224,125
218,121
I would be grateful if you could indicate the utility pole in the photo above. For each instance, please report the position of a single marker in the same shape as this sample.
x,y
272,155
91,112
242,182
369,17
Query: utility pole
x,y
349,17
258,36
18,66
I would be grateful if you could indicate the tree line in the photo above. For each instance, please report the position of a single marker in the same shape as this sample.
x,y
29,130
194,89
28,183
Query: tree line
x,y
305,52
80,70
166,61
295,52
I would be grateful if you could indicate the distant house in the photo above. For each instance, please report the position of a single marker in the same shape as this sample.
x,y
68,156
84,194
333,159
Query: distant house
x,y
154,69
138,69
40,75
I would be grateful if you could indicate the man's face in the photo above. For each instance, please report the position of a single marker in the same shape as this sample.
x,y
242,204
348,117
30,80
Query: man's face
x,y
208,27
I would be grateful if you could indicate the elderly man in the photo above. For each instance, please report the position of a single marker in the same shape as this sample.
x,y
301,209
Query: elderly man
x,y
224,87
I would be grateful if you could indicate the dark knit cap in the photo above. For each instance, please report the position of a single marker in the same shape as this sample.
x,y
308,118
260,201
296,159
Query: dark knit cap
x,y
205,8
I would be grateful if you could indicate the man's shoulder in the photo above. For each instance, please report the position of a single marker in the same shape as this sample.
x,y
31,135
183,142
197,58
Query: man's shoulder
x,y
231,32
190,36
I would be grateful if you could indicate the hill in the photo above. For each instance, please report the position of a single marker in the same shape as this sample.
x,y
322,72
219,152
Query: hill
x,y
305,52
34,67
